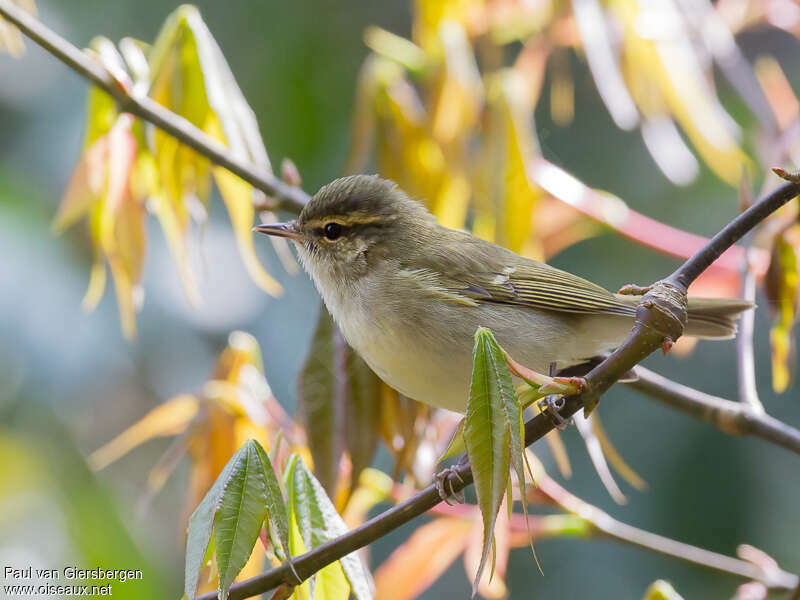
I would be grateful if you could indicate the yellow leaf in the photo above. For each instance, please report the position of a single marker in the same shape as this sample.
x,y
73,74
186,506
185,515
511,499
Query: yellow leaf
x,y
10,37
664,74
429,15
170,418
614,457
459,96
238,197
86,185
782,285
510,146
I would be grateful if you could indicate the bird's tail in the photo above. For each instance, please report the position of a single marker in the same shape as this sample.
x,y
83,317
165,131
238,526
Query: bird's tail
x,y
714,318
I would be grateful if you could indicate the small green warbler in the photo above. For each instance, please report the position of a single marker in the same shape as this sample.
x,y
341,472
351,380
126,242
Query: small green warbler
x,y
408,294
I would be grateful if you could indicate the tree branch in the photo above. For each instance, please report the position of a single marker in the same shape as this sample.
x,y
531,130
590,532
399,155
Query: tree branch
x,y
731,417
659,317
285,196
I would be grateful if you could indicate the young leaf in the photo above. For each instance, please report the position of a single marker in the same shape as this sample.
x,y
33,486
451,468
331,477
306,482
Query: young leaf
x,y
781,286
234,509
317,521
492,432
362,414
317,396
276,508
239,516
456,445
201,524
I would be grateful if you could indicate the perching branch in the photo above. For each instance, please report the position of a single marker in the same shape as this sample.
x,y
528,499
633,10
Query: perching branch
x,y
659,318
735,418
285,196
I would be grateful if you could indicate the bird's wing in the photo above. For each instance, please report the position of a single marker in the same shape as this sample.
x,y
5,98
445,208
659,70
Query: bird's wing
x,y
485,275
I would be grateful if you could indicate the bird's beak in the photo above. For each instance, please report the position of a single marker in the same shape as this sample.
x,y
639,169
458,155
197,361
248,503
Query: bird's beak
x,y
286,230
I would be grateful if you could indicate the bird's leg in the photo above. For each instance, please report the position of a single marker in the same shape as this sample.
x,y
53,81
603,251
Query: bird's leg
x,y
443,478
553,403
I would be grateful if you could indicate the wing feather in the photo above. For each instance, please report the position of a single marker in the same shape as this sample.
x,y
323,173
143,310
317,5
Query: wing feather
x,y
484,272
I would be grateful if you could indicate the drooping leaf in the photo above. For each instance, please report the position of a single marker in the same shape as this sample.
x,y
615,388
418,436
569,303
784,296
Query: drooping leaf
x,y
316,521
10,37
320,396
234,509
492,584
201,524
667,75
341,401
239,516
362,414
492,432
456,445
782,286
510,145
276,507
170,418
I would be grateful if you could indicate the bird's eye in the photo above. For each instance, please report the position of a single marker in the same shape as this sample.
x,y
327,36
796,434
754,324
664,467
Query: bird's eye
x,y
332,230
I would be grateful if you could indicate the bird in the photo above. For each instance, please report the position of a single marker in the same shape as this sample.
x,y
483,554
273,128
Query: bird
x,y
408,294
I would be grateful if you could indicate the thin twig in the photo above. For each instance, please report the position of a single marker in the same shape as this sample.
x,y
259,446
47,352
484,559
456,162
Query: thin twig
x,y
285,196
605,526
732,232
745,357
731,417
612,528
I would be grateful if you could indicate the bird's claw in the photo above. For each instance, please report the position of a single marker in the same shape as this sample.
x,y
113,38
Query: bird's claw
x,y
551,405
443,478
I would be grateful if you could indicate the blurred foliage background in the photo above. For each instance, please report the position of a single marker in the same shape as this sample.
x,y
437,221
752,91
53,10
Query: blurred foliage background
x,y
69,382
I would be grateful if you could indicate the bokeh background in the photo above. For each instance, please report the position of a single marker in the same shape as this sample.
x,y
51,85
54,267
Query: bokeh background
x,y
69,382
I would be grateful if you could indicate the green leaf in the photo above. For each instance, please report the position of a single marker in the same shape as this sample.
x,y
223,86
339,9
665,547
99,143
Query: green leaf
x,y
317,396
276,508
240,514
456,445
362,414
341,401
316,522
200,525
492,432
234,508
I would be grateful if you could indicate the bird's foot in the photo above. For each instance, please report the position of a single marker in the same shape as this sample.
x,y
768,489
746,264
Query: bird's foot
x,y
551,405
443,480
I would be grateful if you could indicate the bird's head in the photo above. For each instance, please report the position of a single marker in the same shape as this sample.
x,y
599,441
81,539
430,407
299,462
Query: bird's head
x,y
353,224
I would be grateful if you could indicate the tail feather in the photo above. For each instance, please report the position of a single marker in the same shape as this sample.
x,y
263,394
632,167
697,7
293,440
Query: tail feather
x,y
714,318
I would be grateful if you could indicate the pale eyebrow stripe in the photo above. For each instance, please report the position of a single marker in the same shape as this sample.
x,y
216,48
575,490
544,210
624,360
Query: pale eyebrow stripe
x,y
359,218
